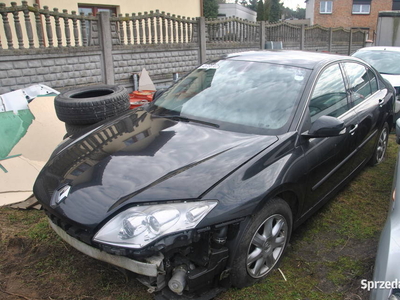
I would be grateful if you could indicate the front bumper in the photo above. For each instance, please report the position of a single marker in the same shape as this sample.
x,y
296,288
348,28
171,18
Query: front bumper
x,y
152,268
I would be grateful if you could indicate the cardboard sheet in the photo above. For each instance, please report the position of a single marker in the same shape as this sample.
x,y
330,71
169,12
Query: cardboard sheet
x,y
44,134
145,82
34,149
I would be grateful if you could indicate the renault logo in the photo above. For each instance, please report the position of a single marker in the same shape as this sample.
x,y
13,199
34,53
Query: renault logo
x,y
63,193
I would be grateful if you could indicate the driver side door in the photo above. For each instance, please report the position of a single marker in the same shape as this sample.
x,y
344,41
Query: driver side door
x,y
328,159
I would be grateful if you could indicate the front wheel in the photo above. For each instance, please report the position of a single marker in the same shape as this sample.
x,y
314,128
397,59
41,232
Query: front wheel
x,y
263,243
381,146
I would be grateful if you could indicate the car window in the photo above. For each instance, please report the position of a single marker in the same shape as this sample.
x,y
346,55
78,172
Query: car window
x,y
243,96
385,62
329,97
359,82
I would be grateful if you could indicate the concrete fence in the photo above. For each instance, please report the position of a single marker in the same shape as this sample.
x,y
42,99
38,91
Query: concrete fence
x,y
66,50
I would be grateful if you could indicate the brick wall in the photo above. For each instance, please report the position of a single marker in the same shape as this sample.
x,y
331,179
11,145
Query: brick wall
x,y
57,69
160,64
342,15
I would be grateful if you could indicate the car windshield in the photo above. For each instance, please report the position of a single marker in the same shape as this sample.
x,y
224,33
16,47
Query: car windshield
x,y
243,96
385,62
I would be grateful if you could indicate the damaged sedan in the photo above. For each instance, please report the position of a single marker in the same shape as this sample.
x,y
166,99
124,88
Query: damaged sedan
x,y
201,189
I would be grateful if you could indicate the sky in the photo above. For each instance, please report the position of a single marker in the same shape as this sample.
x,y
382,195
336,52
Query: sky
x,y
292,4
287,3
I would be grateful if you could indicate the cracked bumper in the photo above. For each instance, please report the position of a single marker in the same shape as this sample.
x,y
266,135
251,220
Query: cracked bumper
x,y
152,268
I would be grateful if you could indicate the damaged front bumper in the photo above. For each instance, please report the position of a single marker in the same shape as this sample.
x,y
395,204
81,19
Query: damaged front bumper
x,y
153,267
191,263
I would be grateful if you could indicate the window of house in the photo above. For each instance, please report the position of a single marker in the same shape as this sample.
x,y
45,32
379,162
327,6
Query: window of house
x,y
361,7
325,7
396,5
95,9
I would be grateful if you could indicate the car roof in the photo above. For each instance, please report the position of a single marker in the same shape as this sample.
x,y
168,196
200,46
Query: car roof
x,y
380,48
297,58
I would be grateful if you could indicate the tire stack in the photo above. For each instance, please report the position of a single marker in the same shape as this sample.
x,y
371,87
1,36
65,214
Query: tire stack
x,y
85,106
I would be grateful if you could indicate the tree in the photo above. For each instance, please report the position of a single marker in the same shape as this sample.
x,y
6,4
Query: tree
x,y
275,12
267,9
300,13
210,8
252,5
260,11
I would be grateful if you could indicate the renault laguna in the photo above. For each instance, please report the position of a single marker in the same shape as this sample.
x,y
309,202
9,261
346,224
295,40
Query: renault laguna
x,y
201,189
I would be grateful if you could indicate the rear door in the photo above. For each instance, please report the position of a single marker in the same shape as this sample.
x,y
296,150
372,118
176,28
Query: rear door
x,y
368,101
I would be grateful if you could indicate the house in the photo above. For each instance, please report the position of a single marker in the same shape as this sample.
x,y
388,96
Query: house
x,y
236,10
348,13
185,8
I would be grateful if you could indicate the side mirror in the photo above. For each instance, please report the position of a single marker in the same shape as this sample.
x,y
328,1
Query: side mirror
x,y
398,131
326,126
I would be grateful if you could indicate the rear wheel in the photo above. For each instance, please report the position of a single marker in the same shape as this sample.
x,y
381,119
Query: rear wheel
x,y
263,243
381,146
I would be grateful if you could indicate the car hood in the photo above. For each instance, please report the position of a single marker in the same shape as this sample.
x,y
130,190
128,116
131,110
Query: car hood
x,y
393,79
139,158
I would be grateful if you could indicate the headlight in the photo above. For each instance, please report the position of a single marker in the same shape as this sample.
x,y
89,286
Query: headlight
x,y
138,226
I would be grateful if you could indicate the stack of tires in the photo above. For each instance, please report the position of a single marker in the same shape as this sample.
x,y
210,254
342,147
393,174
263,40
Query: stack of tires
x,y
85,106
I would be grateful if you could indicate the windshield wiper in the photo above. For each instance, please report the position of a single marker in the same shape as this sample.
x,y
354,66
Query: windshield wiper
x,y
186,119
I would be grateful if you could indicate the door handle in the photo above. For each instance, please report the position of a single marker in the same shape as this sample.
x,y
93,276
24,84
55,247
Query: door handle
x,y
381,102
353,129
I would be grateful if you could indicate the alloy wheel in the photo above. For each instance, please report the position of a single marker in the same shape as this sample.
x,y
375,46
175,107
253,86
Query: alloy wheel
x,y
267,246
382,145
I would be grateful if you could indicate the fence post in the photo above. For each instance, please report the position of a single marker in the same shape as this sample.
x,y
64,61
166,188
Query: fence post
x,y
302,36
350,41
106,48
202,40
262,35
330,37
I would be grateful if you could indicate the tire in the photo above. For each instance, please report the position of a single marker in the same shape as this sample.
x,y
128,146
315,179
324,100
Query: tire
x,y
72,129
89,105
381,146
263,243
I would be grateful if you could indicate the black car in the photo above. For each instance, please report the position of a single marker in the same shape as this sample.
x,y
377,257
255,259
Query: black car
x,y
203,188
